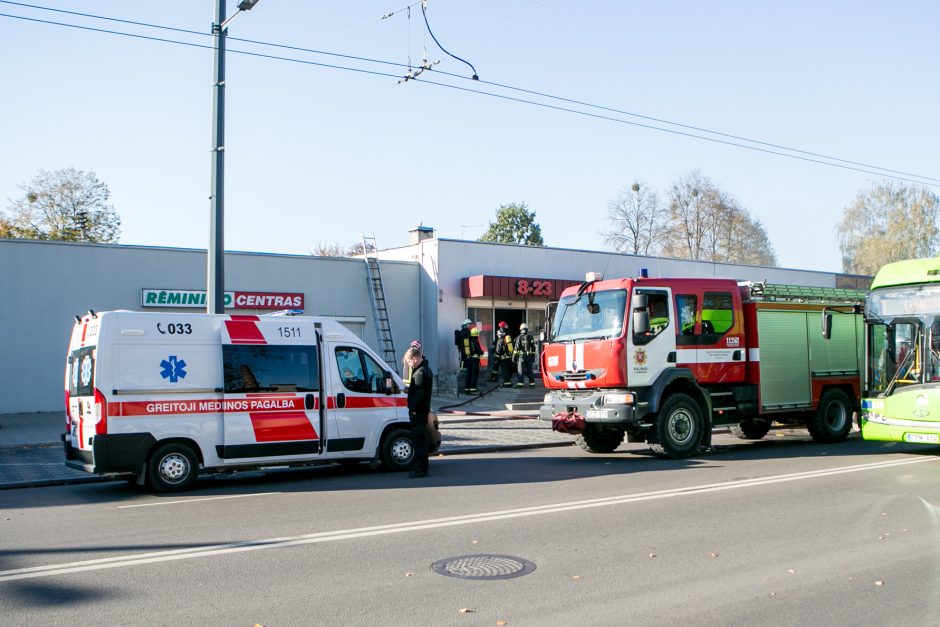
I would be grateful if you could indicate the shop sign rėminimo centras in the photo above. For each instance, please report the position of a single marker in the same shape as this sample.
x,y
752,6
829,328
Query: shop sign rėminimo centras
x,y
233,300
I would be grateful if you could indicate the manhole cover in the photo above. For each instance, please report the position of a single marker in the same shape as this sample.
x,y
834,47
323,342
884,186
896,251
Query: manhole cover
x,y
483,567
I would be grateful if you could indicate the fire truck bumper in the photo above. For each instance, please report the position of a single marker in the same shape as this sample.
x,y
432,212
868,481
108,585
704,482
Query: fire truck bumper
x,y
592,410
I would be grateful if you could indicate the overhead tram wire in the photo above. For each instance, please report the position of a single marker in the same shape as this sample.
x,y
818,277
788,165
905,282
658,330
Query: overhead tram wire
x,y
863,167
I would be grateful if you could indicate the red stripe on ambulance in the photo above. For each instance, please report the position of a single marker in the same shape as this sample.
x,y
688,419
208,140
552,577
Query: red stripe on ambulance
x,y
244,330
282,426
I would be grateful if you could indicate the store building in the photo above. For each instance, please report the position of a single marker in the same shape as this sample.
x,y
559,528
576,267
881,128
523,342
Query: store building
x,y
431,286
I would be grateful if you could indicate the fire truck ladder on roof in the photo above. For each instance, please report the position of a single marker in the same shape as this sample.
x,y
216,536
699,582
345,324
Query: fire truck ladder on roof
x,y
804,293
383,330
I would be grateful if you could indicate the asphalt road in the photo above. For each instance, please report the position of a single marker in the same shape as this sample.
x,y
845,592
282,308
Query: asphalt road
x,y
776,532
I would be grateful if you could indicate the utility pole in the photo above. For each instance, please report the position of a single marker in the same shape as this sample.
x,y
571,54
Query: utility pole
x,y
215,282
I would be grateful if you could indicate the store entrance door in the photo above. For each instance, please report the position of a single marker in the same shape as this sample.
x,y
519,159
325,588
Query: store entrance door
x,y
512,317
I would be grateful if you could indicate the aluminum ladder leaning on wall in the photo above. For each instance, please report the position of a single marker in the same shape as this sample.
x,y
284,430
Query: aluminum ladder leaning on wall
x,y
383,330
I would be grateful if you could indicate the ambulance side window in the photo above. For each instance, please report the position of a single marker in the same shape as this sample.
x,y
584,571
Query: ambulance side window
x,y
270,369
358,371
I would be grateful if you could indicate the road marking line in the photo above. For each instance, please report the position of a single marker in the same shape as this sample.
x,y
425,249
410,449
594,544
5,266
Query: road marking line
x,y
208,498
436,523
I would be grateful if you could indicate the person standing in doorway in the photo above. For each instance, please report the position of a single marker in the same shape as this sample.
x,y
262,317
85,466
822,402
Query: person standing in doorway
x,y
503,354
473,363
419,406
525,356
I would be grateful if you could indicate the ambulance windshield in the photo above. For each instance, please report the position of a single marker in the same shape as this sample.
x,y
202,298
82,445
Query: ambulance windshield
x,y
593,315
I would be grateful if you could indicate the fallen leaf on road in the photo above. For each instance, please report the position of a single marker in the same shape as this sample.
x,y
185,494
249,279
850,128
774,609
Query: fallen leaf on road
x,y
465,610
791,571
576,577
474,541
652,555
502,622
409,574
879,583
712,554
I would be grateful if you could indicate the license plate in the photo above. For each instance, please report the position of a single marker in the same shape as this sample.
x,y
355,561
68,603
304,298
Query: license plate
x,y
596,413
925,438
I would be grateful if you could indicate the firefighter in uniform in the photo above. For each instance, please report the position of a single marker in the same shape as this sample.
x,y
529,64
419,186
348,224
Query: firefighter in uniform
x,y
525,356
462,341
473,363
503,352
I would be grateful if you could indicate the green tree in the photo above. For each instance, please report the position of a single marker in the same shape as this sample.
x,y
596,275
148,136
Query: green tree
x,y
515,224
70,205
637,220
890,221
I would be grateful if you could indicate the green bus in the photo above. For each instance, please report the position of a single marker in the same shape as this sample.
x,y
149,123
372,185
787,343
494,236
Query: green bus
x,y
901,399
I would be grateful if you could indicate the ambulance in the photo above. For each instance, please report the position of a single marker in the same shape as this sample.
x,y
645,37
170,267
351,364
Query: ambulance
x,y
160,397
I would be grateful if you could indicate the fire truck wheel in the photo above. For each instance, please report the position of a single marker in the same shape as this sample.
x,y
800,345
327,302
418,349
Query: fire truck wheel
x,y
750,429
172,468
678,427
398,450
596,439
833,419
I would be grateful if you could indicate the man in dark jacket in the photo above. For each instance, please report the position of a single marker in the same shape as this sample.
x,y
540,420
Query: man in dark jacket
x,y
419,406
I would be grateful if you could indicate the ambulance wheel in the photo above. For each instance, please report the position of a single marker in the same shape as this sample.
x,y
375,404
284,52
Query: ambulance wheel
x,y
596,439
750,429
172,468
833,419
398,450
678,427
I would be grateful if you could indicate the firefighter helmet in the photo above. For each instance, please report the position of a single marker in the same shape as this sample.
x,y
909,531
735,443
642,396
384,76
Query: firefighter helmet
x,y
523,327
467,322
503,325
474,331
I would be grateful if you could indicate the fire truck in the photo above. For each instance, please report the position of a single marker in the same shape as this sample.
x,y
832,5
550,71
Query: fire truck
x,y
666,360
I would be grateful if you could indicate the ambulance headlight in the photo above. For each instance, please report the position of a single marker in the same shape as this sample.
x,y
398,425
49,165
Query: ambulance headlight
x,y
622,398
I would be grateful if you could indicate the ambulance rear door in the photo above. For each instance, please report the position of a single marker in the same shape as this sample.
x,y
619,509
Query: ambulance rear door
x,y
272,392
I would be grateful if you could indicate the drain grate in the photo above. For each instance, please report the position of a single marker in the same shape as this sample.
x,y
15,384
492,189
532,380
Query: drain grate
x,y
483,567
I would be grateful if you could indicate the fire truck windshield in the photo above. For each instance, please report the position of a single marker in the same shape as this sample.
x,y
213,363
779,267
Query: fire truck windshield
x,y
596,315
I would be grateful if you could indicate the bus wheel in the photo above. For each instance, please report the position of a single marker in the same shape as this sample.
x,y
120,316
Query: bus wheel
x,y
172,468
833,419
750,429
678,427
597,439
398,450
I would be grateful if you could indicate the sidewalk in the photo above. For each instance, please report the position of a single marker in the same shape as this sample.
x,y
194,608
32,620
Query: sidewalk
x,y
31,449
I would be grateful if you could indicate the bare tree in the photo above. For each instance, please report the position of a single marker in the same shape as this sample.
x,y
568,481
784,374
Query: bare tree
x,y
636,218
708,224
890,221
69,204
328,249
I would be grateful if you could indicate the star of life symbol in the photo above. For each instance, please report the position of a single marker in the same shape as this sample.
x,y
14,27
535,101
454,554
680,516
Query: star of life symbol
x,y
173,369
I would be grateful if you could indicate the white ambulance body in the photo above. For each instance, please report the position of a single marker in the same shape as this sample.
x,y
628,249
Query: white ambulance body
x,y
161,396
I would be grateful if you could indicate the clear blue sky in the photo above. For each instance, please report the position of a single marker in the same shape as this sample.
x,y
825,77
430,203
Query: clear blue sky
x,y
315,154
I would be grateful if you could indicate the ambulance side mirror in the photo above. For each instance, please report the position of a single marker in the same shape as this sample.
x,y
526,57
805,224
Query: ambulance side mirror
x,y
390,387
826,324
641,322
